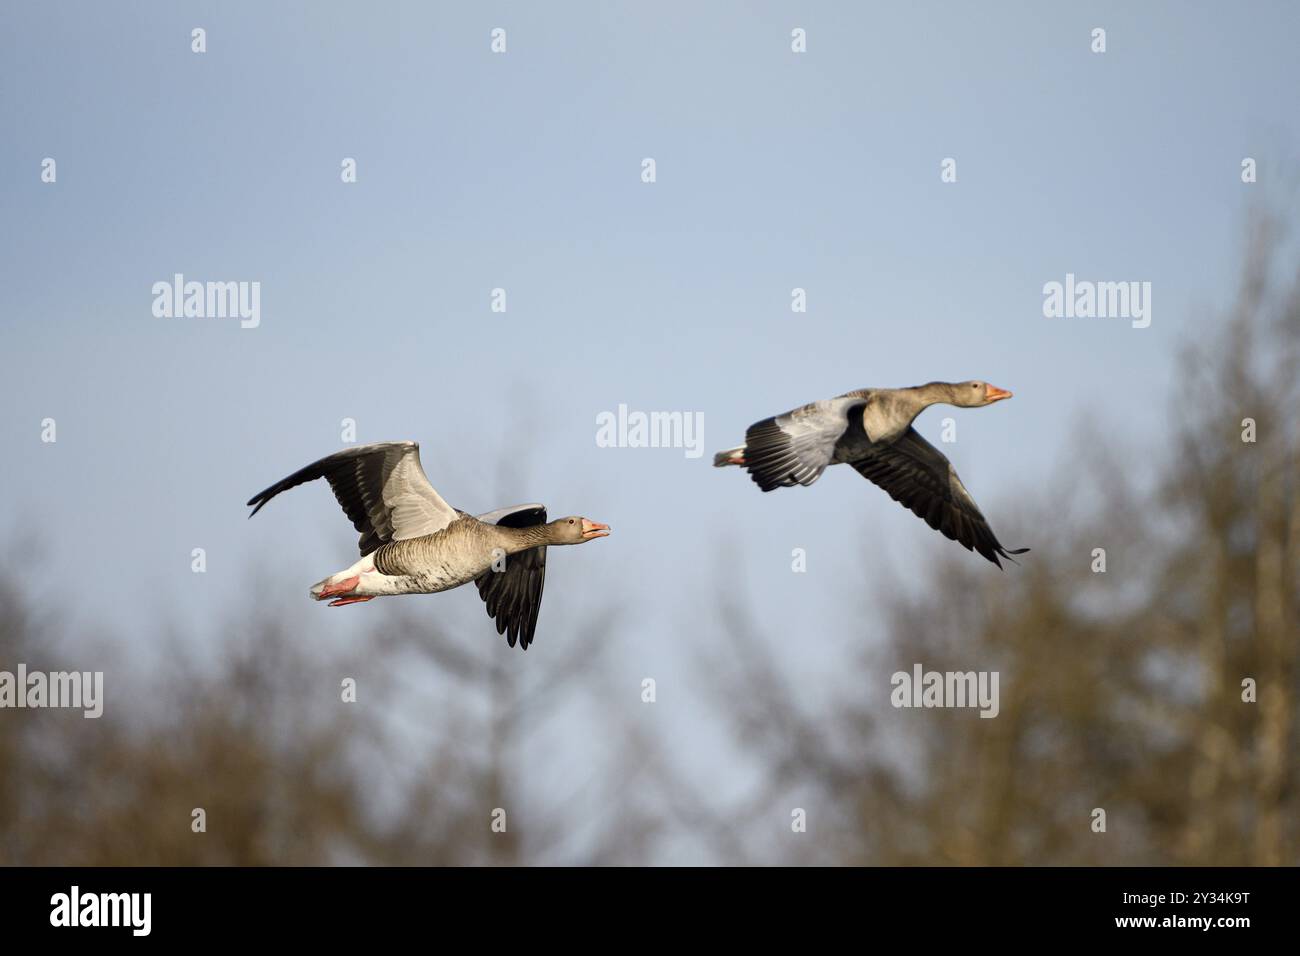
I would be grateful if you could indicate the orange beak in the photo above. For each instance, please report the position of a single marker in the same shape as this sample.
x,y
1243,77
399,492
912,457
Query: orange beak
x,y
594,529
996,394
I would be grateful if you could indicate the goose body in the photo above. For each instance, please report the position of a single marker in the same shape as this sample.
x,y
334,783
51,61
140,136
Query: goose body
x,y
871,430
413,542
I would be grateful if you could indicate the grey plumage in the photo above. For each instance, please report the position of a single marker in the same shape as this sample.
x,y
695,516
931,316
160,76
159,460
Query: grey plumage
x,y
382,489
871,429
413,542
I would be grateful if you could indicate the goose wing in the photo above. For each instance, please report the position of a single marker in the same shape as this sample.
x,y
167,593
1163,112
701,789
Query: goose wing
x,y
514,596
795,448
918,476
382,488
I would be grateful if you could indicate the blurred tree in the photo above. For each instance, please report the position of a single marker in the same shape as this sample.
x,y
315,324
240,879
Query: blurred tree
x,y
285,771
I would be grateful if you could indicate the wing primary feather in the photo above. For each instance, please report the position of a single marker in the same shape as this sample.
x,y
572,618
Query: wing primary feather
x,y
918,476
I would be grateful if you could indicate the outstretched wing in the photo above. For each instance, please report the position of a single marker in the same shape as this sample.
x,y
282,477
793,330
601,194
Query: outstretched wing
x,y
795,448
918,476
514,596
382,488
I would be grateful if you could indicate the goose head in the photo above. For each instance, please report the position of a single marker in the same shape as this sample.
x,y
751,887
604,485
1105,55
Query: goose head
x,y
976,394
576,529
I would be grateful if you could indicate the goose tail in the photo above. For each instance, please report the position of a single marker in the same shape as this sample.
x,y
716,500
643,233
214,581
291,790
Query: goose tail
x,y
732,456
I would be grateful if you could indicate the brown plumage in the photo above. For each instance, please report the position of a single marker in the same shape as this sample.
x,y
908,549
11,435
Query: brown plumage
x,y
413,542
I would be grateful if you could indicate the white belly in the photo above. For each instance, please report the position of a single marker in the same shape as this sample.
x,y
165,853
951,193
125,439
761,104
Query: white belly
x,y
435,579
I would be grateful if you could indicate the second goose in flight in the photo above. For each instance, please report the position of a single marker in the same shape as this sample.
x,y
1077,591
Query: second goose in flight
x,y
871,429
413,542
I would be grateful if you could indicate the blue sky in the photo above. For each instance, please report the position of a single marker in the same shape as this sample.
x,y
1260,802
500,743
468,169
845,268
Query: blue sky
x,y
775,170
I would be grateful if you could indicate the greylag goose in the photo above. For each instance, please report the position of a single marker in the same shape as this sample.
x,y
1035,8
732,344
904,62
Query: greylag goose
x,y
413,542
871,429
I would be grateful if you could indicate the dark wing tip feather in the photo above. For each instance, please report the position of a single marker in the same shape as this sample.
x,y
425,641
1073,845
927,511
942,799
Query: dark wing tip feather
x,y
1008,552
259,500
924,484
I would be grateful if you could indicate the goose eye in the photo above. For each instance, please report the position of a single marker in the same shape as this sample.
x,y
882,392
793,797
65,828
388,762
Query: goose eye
x,y
570,521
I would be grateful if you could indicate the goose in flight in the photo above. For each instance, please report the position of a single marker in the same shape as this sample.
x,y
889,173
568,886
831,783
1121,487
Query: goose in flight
x,y
871,429
413,542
